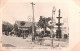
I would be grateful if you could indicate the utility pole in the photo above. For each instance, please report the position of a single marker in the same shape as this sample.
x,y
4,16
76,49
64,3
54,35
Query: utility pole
x,y
33,36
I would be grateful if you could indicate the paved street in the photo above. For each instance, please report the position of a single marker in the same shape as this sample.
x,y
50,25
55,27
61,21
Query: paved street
x,y
10,41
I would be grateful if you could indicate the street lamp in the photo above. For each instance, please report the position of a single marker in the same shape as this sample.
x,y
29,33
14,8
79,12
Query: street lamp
x,y
53,20
53,13
29,18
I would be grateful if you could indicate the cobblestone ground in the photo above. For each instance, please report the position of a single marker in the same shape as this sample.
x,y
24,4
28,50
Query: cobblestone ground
x,y
10,41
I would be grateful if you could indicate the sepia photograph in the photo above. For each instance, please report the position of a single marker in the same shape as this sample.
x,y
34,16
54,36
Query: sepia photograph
x,y
28,25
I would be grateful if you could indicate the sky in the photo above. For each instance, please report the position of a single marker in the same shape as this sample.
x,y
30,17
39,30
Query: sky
x,y
22,11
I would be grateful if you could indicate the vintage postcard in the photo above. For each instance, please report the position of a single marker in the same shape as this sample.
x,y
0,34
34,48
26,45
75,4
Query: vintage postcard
x,y
39,25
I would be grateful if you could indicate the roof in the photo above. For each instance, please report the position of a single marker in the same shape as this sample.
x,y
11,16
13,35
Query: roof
x,y
23,23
